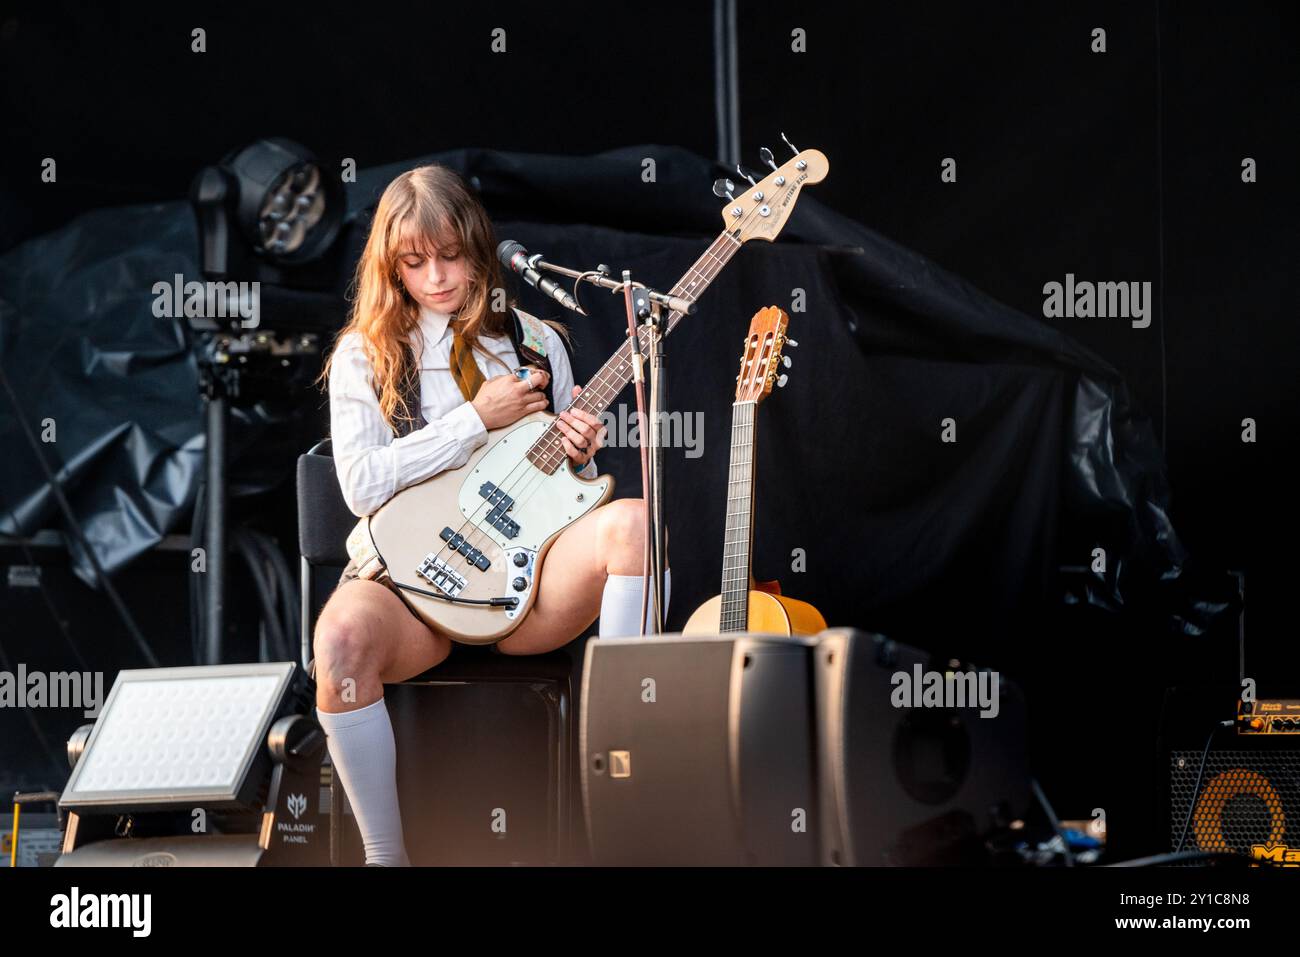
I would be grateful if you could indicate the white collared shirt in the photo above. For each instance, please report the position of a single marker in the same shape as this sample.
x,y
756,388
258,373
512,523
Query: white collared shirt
x,y
372,464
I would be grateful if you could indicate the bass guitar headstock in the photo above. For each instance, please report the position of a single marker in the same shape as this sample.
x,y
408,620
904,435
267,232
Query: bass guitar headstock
x,y
759,210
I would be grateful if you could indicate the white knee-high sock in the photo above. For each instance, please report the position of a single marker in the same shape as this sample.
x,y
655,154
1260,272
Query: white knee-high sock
x,y
365,759
620,605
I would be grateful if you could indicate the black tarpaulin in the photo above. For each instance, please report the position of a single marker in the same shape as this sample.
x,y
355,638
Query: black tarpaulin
x,y
108,391
107,388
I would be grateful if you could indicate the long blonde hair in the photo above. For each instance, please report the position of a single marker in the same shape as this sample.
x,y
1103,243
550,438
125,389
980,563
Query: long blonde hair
x,y
424,207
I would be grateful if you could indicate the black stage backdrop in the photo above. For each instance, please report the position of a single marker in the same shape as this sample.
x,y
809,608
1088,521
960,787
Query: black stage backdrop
x,y
913,471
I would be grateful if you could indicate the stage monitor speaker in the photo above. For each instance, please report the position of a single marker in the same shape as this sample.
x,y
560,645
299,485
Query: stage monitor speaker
x,y
698,750
901,784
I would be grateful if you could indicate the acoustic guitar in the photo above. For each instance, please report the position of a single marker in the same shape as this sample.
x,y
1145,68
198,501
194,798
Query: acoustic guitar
x,y
745,605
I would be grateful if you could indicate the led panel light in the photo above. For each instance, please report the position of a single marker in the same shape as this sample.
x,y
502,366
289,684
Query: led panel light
x,y
179,737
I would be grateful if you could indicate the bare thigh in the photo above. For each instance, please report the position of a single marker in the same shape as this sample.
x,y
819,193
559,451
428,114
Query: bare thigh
x,y
568,594
608,541
365,633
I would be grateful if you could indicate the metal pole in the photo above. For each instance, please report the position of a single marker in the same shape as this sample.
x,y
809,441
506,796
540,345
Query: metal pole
x,y
215,537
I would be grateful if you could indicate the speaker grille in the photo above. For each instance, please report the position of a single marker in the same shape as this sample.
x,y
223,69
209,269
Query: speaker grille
x,y
1246,798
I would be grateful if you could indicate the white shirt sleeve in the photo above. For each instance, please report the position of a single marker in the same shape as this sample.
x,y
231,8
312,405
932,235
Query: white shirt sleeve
x,y
372,465
562,386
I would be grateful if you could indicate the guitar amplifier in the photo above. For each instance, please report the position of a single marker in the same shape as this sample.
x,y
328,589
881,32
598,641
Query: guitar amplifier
x,y
917,762
1247,799
699,750
1269,716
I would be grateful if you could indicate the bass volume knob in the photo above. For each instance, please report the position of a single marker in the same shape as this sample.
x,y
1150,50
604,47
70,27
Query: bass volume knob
x,y
520,559
520,584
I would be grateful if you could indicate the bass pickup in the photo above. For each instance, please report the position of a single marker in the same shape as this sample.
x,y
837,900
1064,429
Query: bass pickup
x,y
458,542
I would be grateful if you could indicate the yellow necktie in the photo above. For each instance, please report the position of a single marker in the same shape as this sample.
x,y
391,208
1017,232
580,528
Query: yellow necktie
x,y
464,369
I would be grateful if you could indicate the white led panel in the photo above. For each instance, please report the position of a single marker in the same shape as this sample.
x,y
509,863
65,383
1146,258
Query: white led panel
x,y
169,730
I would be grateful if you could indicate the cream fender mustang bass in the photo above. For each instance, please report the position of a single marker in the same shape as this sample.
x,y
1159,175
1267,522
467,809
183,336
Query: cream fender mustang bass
x,y
743,606
465,548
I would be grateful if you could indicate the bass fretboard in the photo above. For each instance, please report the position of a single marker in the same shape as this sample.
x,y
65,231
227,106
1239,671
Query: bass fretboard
x,y
603,388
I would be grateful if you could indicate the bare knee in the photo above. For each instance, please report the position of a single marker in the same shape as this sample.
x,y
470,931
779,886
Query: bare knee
x,y
622,531
622,536
346,647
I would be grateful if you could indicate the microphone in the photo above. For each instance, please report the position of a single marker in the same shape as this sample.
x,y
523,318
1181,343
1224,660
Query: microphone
x,y
515,257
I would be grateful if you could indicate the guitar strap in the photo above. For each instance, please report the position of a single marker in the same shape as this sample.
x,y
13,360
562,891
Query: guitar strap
x,y
528,336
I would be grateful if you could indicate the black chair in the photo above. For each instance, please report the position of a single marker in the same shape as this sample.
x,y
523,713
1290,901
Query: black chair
x,y
485,741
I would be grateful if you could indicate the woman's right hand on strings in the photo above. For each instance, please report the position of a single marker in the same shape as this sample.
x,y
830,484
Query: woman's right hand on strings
x,y
504,399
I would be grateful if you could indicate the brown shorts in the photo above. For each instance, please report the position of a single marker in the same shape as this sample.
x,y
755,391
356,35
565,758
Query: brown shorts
x,y
350,574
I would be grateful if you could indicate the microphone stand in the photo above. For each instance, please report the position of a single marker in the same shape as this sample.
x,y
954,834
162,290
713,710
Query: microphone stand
x,y
655,499
647,306
638,307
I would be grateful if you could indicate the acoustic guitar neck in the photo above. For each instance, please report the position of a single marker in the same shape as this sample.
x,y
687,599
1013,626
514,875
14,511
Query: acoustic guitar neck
x,y
738,540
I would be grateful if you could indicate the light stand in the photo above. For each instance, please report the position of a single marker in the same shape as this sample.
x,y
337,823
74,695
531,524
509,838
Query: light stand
x,y
218,382
266,214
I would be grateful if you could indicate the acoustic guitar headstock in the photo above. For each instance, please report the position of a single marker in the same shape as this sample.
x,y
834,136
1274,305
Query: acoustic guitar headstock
x,y
762,360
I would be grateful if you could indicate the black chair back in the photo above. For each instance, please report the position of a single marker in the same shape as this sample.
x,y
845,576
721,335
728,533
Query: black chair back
x,y
324,519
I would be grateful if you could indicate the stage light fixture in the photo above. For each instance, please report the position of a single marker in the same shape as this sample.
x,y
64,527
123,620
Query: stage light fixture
x,y
182,737
282,201
269,216
202,766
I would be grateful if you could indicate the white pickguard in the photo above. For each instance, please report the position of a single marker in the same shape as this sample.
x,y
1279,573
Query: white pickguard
x,y
543,504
